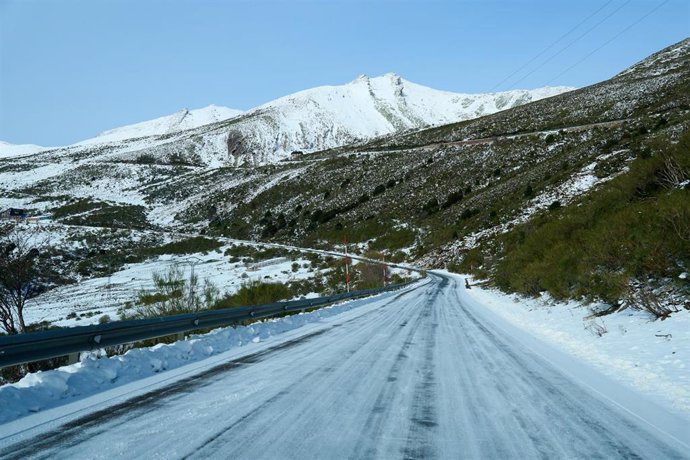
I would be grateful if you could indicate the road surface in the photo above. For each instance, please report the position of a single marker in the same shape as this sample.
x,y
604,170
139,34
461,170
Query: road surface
x,y
417,374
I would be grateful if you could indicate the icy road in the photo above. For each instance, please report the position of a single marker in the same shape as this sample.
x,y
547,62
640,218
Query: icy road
x,y
420,373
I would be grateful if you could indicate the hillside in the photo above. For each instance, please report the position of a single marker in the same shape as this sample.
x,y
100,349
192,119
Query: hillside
x,y
159,167
12,150
180,121
448,195
332,116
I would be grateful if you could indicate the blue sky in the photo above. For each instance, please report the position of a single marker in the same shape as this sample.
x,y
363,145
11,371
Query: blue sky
x,y
71,69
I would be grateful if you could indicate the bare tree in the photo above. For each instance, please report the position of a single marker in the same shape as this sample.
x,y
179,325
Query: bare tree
x,y
679,220
19,276
672,173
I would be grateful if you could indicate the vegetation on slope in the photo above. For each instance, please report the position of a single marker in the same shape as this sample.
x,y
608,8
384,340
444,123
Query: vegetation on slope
x,y
615,243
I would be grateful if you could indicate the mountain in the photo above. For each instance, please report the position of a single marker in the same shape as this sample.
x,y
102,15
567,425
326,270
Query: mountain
x,y
182,178
120,160
11,150
180,121
310,120
333,116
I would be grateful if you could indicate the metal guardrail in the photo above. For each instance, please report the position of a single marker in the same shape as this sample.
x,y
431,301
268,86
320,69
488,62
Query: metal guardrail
x,y
35,346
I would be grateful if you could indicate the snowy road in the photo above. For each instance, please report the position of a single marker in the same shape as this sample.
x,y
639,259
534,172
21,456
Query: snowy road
x,y
417,374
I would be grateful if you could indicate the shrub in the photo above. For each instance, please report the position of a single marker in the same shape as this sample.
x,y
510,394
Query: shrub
x,y
431,206
370,274
173,294
635,227
145,159
468,213
453,198
187,246
254,293
529,192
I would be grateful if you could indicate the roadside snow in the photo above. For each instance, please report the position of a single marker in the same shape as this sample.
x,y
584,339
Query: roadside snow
x,y
653,357
43,390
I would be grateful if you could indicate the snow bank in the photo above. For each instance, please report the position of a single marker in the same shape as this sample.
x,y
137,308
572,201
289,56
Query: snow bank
x,y
43,390
652,357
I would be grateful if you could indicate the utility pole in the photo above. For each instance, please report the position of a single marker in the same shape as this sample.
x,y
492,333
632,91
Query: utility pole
x,y
347,268
192,261
191,285
384,270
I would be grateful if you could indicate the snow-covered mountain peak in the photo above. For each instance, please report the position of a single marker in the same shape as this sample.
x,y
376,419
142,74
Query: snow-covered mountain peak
x,y
310,120
181,120
331,116
12,150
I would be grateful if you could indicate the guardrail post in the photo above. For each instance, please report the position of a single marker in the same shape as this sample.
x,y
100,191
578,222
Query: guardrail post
x,y
73,358
179,336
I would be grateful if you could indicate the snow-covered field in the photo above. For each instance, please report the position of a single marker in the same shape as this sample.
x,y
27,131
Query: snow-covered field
x,y
629,346
87,301
93,298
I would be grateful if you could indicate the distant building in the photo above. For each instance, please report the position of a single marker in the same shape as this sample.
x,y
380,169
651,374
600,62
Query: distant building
x,y
296,155
14,214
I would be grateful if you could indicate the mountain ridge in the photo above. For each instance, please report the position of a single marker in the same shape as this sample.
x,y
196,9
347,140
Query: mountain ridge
x,y
181,120
332,116
309,120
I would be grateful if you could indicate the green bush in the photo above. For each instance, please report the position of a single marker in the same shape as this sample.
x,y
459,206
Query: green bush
x,y
255,293
394,239
453,197
173,294
637,226
186,246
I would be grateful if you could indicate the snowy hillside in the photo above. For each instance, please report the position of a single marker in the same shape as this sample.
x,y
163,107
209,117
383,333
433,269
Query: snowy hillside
x,y
13,150
315,119
332,116
179,121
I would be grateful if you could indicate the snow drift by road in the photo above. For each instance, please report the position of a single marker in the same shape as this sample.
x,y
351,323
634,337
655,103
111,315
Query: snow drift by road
x,y
43,390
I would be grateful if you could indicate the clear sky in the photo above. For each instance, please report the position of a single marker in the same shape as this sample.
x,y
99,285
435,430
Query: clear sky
x,y
71,69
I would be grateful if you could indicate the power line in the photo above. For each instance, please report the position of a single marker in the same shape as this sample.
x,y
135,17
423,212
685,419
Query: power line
x,y
609,40
551,45
551,58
